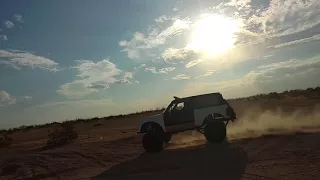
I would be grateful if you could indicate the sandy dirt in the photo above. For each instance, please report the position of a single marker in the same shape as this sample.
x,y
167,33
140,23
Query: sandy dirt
x,y
262,144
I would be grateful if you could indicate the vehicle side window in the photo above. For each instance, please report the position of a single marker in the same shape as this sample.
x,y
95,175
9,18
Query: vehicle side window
x,y
180,106
171,108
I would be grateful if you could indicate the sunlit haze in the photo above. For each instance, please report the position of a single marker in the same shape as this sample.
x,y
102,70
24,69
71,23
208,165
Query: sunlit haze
x,y
212,35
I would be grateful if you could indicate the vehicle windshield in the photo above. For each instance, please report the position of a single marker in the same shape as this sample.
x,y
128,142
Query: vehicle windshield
x,y
169,107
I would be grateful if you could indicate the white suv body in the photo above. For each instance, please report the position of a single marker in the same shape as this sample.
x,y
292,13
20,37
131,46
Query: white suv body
x,y
190,113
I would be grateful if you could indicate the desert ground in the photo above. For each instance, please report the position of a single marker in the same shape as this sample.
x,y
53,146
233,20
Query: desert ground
x,y
275,138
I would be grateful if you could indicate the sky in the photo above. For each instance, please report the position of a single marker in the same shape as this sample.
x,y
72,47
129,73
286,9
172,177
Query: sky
x,y
72,59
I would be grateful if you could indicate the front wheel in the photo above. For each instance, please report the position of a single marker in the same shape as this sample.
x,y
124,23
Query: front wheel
x,y
152,142
215,131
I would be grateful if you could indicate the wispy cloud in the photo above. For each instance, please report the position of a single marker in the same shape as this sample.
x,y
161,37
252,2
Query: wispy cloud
x,y
193,63
3,37
6,98
142,44
98,86
139,67
287,17
25,98
18,59
18,17
172,54
181,77
162,19
208,73
160,71
8,24
93,77
299,41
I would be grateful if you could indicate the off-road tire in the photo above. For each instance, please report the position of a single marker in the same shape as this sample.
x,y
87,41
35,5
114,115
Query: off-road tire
x,y
215,131
152,142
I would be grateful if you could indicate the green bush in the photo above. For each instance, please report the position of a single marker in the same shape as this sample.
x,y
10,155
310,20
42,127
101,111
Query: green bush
x,y
61,136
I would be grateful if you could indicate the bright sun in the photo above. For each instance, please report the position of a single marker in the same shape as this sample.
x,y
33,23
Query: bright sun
x,y
212,35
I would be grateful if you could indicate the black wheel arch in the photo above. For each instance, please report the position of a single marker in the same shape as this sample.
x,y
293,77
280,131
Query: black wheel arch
x,y
144,127
211,117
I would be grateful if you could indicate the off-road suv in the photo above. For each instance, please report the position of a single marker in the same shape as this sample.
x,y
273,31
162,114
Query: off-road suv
x,y
207,113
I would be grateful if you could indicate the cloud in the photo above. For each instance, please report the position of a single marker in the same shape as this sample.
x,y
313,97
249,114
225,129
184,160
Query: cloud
x,y
139,67
181,77
141,45
98,86
168,69
151,69
162,19
161,71
18,59
6,99
18,17
175,54
193,63
125,79
3,37
75,89
8,24
208,73
93,77
295,42
25,98
287,17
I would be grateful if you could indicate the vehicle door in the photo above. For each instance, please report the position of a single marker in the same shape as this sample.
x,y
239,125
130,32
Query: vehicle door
x,y
179,118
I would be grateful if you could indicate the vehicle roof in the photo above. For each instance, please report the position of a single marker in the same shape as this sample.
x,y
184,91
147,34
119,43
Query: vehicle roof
x,y
200,95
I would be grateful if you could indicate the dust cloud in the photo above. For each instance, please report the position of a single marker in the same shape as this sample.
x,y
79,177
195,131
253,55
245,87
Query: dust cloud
x,y
257,122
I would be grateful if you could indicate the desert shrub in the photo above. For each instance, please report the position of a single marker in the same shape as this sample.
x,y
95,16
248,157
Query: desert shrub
x,y
273,95
98,124
61,136
5,141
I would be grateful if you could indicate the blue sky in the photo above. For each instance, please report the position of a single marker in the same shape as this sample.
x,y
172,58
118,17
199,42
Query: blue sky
x,y
74,59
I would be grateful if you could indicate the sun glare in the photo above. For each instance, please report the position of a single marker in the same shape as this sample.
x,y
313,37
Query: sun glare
x,y
212,35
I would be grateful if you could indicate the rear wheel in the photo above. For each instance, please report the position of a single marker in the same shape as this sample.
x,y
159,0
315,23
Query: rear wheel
x,y
152,142
215,131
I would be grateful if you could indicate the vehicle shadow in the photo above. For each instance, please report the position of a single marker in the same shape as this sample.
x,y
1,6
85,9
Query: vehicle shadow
x,y
210,161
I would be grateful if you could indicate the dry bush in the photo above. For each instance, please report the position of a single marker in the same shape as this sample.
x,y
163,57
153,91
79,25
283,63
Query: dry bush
x,y
5,141
61,136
